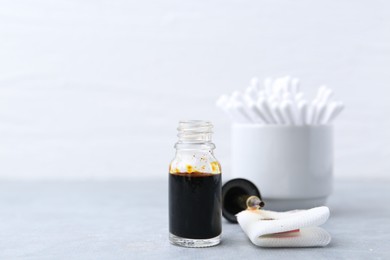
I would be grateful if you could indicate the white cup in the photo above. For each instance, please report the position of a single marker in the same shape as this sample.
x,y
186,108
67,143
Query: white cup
x,y
292,166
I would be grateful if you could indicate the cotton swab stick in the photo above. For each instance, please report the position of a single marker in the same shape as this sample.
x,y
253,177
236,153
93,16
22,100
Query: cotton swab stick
x,y
285,108
336,112
251,109
320,92
250,92
313,112
327,95
277,88
330,107
295,112
240,104
320,111
239,112
261,119
268,107
270,104
302,109
309,113
276,113
333,109
262,105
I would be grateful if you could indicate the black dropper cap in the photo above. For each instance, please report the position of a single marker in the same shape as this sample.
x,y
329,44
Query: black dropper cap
x,y
234,196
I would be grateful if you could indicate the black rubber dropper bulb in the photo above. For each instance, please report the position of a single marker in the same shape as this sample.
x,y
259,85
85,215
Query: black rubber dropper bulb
x,y
235,194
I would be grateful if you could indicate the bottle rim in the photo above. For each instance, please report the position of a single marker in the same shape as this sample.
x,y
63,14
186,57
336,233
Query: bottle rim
x,y
194,131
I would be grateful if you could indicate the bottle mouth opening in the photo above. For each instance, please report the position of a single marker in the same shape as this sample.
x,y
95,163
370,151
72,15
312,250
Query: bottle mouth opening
x,y
194,125
194,131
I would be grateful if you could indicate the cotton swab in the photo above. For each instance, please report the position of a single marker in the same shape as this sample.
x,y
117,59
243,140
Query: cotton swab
x,y
239,103
309,114
286,109
336,112
239,112
302,109
320,111
333,109
277,114
320,92
327,95
329,111
313,112
252,110
280,102
263,106
251,92
256,111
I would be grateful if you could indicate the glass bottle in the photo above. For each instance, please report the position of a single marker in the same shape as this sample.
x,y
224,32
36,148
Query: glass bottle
x,y
195,188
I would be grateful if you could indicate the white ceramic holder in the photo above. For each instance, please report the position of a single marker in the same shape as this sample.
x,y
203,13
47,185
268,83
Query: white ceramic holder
x,y
292,166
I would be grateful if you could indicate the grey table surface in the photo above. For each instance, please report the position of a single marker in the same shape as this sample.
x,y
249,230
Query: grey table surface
x,y
128,220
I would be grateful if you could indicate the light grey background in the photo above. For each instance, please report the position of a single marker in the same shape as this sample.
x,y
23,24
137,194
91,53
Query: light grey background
x,y
94,89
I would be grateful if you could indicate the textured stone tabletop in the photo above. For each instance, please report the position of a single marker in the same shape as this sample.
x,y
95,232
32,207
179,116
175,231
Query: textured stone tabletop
x,y
128,220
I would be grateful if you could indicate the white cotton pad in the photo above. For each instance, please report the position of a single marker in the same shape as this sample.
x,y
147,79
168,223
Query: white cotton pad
x,y
272,229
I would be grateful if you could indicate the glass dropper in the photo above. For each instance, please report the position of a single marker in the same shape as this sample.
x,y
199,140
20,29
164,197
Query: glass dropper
x,y
254,203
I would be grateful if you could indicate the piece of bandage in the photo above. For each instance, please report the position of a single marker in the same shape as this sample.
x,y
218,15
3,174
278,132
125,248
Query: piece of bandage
x,y
298,228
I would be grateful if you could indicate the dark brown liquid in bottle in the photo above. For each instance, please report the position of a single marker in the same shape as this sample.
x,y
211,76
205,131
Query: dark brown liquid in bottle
x,y
195,205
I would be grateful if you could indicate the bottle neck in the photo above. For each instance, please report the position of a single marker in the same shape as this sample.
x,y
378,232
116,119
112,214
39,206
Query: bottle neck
x,y
195,134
